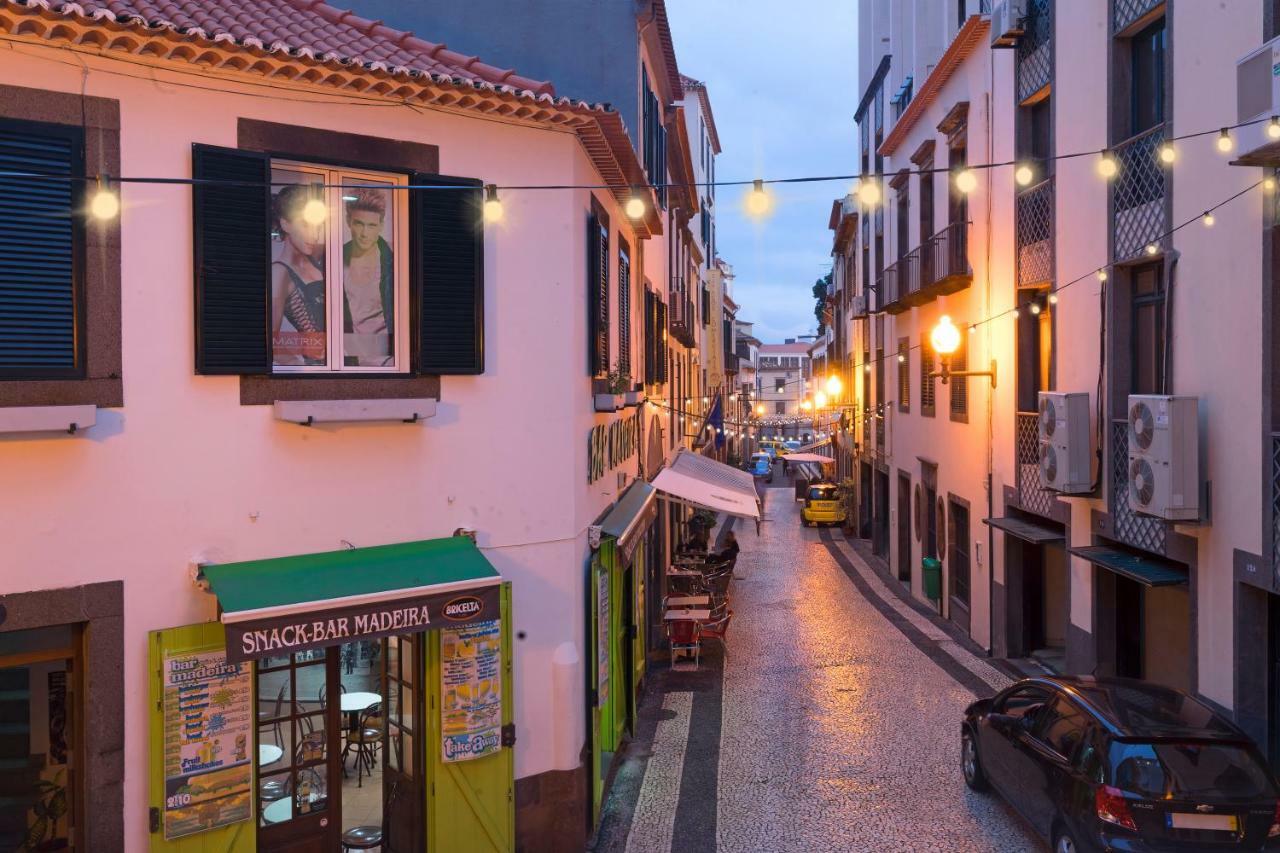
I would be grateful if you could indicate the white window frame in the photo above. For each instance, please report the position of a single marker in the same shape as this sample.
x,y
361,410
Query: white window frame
x,y
334,178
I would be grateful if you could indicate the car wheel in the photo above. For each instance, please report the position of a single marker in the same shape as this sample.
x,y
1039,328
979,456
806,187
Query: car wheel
x,y
1064,843
971,764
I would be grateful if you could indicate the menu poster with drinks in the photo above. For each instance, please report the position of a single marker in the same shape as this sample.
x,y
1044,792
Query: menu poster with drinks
x,y
208,742
471,687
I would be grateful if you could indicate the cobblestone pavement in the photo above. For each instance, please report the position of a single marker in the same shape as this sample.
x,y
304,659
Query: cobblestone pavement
x,y
830,723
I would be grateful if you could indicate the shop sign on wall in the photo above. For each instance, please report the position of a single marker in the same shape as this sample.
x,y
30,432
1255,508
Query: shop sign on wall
x,y
471,687
208,737
611,444
602,638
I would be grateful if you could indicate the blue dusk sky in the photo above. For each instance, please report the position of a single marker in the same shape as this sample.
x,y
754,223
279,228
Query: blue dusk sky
x,y
783,84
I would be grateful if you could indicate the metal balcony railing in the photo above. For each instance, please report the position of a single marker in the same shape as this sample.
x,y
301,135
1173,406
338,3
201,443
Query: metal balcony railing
x,y
1034,217
683,320
1140,531
1138,193
1125,12
938,266
1032,497
1035,50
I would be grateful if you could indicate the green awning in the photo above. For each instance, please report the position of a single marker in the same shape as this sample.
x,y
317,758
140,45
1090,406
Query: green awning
x,y
1148,571
313,600
1028,531
631,516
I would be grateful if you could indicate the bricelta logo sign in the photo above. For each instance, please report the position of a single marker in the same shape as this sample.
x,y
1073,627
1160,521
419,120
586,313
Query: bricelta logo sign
x,y
464,608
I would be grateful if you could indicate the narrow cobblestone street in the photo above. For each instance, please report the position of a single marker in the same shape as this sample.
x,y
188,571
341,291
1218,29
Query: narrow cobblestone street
x,y
831,722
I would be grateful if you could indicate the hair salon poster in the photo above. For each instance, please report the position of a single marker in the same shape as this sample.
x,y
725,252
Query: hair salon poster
x,y
471,684
208,738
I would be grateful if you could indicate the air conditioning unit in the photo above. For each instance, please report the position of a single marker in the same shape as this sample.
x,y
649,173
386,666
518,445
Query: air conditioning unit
x,y
1164,456
860,305
1257,99
1007,17
1065,461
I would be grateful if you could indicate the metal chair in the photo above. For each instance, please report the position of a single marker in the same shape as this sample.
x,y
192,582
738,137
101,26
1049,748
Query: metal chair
x,y
362,838
366,737
683,635
716,628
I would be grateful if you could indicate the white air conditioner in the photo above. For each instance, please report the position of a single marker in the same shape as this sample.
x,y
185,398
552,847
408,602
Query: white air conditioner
x,y
1164,456
860,305
1258,99
1065,461
1007,17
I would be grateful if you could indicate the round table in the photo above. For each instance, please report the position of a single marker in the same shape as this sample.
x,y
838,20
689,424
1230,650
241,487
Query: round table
x,y
355,702
268,753
281,810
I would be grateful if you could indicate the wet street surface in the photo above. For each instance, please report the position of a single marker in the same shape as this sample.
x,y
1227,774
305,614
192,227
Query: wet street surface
x,y
830,723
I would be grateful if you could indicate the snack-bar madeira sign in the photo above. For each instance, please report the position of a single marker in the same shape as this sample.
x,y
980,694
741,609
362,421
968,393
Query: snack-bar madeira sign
x,y
330,626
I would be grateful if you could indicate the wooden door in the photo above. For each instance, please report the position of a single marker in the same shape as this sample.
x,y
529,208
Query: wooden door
x,y
403,773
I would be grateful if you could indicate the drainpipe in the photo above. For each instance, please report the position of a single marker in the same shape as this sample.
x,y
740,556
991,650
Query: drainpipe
x,y
1170,277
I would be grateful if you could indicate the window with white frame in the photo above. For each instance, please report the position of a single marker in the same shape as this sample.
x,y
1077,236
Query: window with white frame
x,y
339,270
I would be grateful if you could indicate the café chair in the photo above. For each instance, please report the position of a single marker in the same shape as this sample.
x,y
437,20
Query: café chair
x,y
361,838
366,737
684,637
716,628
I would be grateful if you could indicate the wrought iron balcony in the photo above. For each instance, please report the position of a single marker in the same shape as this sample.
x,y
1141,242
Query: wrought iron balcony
x,y
1035,50
938,266
684,322
1126,12
1035,234
1032,496
1132,528
1138,194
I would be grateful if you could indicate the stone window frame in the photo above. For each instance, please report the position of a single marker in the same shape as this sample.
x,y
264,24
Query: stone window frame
x,y
99,383
98,608
291,142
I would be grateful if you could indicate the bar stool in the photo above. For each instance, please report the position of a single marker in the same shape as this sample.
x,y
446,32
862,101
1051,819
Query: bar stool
x,y
362,838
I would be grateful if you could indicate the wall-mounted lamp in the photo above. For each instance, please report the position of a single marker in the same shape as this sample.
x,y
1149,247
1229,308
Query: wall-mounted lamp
x,y
945,338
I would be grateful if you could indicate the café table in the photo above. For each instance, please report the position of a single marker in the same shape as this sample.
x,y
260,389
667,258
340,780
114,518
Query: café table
x,y
676,572
352,704
282,810
268,753
688,600
687,615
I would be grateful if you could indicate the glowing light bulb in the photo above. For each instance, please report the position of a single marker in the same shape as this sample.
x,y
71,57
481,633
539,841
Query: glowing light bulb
x,y
1269,183
1225,142
1273,127
1167,153
1015,313
966,181
760,409
1053,299
1024,175
1034,307
1102,275
758,201
902,359
834,385
973,327
868,191
105,204
819,399
314,212
492,206
635,207
1207,219
1107,165
945,337
1153,249
806,405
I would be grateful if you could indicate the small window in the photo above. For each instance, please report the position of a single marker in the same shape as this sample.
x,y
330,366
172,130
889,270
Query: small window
x,y
1147,75
904,375
339,283
780,408
1147,333
779,385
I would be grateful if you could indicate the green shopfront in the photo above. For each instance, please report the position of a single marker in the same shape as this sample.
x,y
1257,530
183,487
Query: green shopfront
x,y
355,699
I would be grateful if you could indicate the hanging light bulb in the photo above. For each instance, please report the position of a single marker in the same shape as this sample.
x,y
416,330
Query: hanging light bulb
x,y
1268,183
760,408
1107,165
806,405
1053,299
868,191
635,205
1102,275
1024,175
758,201
1225,142
1034,308
819,399
1153,249
1273,127
315,212
902,359
492,206
1167,153
1207,219
834,385
866,368
105,203
966,181
973,327
1015,313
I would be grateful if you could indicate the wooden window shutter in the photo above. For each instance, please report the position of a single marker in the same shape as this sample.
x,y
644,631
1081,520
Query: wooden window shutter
x,y
232,250
41,252
624,314
447,264
597,296
662,341
650,346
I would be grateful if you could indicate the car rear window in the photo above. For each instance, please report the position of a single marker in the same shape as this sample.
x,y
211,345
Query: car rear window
x,y
1195,770
822,493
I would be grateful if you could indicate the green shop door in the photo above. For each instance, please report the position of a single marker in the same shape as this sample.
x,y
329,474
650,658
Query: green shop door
x,y
609,671
470,757
201,762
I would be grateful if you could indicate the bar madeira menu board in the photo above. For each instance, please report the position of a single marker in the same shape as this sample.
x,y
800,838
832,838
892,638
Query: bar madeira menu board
x,y
208,742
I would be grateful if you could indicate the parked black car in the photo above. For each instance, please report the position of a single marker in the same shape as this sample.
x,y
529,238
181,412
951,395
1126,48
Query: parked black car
x,y
1100,764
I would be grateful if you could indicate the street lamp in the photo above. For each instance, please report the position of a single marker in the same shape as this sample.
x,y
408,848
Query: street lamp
x,y
760,409
834,386
945,338
806,405
819,399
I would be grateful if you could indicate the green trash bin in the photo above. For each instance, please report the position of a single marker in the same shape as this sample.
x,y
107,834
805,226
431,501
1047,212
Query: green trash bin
x,y
932,569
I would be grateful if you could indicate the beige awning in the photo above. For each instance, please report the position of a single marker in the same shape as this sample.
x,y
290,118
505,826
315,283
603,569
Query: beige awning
x,y
706,483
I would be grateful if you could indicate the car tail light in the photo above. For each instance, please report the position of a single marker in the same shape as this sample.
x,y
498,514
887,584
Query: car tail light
x,y
1274,831
1112,807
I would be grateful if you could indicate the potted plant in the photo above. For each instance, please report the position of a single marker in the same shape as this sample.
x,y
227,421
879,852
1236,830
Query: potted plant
x,y
634,396
610,391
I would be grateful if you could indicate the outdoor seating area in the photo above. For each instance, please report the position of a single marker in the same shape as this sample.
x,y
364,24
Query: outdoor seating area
x,y
696,609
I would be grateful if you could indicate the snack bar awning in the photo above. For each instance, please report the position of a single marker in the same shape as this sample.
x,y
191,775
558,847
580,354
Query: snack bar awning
x,y
809,457
709,484
1148,571
630,516
1027,531
278,606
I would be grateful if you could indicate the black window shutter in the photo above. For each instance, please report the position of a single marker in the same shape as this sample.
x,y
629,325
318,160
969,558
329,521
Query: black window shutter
x,y
448,275
41,239
624,314
650,374
598,295
232,257
662,341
